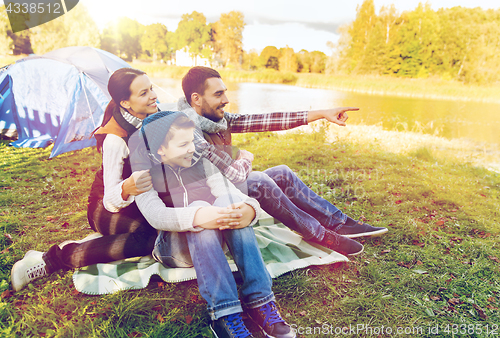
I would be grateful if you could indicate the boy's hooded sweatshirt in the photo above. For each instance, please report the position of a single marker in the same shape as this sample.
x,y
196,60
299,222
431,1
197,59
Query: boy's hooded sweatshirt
x,y
166,206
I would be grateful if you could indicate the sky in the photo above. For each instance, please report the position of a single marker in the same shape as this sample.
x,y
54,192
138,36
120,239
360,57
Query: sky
x,y
305,24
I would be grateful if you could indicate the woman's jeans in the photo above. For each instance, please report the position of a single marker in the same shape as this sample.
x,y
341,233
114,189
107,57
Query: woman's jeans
x,y
285,197
215,279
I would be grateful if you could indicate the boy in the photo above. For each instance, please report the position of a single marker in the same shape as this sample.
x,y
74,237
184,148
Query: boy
x,y
194,196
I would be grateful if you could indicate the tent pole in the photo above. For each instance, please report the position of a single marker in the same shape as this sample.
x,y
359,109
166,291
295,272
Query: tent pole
x,y
86,98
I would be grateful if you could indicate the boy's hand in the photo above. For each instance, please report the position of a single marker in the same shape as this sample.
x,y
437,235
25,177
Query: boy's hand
x,y
245,212
217,218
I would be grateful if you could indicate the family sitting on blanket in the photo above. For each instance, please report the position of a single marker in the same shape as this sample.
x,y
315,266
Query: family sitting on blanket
x,y
117,191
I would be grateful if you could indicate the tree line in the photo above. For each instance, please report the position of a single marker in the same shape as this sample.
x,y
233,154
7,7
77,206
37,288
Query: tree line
x,y
452,43
220,41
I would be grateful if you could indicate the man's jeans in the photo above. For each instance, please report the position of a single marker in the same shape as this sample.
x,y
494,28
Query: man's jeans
x,y
215,279
285,197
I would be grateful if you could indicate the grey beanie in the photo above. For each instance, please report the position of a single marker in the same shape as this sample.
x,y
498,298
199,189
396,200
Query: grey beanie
x,y
155,127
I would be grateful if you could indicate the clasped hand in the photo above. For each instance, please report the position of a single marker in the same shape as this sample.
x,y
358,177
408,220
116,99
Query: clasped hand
x,y
235,216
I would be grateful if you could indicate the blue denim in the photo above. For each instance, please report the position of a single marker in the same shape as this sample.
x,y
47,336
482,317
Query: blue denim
x,y
215,279
285,197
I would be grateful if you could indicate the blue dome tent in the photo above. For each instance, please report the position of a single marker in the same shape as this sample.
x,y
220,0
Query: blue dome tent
x,y
58,97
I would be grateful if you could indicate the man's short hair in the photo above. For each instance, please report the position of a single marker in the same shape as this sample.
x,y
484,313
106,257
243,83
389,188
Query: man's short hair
x,y
195,81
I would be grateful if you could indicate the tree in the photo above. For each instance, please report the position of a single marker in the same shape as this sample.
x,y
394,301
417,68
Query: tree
x,y
359,32
251,60
20,42
269,57
288,61
154,41
318,61
82,29
194,33
228,36
122,37
304,61
419,39
454,43
5,41
76,28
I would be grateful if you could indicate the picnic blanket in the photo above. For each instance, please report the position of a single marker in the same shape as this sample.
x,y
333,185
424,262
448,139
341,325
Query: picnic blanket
x,y
282,249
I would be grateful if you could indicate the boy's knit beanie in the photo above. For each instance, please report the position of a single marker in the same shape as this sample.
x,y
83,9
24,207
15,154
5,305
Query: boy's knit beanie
x,y
155,127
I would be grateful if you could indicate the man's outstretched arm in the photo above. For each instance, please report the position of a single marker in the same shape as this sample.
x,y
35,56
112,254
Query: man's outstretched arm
x,y
284,120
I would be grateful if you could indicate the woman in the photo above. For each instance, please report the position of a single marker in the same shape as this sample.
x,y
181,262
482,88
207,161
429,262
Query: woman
x,y
111,209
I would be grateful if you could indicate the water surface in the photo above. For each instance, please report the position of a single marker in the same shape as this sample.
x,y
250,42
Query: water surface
x,y
475,121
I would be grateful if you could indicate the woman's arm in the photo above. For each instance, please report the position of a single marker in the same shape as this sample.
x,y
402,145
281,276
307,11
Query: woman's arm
x,y
119,193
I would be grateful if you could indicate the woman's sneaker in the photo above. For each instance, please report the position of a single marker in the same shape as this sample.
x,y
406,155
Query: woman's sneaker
x,y
230,326
31,267
341,244
268,318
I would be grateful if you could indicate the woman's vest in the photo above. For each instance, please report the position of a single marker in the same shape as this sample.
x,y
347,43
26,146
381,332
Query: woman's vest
x,y
118,127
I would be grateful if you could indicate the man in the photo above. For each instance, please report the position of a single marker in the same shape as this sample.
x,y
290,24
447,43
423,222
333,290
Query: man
x,y
279,191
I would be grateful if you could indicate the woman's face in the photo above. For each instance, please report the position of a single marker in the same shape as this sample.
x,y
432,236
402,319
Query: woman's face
x,y
142,100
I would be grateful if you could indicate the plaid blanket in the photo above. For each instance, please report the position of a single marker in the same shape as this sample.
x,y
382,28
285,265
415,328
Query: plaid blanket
x,y
282,249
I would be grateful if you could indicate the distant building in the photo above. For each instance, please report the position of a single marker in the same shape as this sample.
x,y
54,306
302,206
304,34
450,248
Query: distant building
x,y
182,58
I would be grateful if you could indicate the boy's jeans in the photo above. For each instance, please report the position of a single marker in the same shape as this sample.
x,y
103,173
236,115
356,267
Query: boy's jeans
x,y
285,197
215,279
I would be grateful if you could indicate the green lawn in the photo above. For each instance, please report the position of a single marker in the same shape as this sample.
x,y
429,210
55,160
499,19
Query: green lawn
x,y
435,271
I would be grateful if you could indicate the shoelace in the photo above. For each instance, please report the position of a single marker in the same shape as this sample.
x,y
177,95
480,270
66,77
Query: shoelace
x,y
332,238
270,312
236,326
36,271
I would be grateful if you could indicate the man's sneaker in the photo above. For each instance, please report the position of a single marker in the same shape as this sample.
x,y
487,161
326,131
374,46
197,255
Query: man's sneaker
x,y
31,267
268,318
353,229
230,326
341,244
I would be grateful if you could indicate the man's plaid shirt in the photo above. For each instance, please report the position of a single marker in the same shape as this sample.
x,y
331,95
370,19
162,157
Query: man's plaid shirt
x,y
237,170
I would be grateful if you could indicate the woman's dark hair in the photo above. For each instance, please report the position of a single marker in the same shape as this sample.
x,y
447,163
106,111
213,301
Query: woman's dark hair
x,y
119,89
195,80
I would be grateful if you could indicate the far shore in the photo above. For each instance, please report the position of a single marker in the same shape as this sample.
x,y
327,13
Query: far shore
x,y
430,88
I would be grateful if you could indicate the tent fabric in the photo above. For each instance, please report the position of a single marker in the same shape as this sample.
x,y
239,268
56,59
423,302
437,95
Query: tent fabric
x,y
59,97
7,123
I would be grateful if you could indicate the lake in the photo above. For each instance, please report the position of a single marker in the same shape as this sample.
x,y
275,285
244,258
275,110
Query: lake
x,y
476,121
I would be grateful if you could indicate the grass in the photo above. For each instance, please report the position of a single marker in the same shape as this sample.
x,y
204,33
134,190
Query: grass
x,y
436,269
